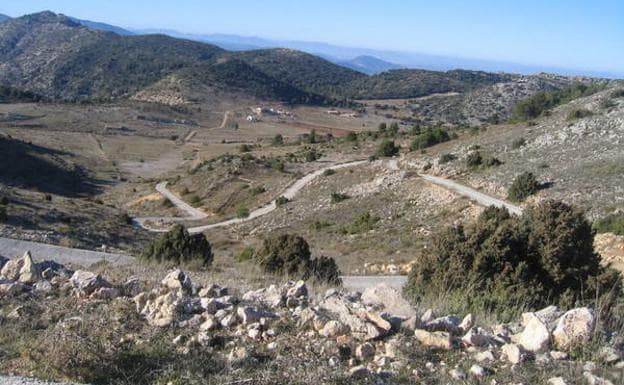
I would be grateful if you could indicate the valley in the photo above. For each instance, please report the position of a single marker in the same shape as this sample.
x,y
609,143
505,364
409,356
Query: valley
x,y
171,211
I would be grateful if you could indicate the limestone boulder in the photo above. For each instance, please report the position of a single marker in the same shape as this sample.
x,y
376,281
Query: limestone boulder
x,y
575,327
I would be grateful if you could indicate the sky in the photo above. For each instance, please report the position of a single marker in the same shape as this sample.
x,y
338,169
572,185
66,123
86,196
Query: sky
x,y
575,34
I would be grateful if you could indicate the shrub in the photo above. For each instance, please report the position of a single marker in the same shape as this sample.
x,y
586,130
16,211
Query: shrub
x,y
323,269
474,159
329,172
281,201
178,246
523,186
278,165
445,158
4,201
612,223
388,148
257,190
491,161
517,143
244,148
278,140
290,254
579,113
351,137
242,212
311,155
194,200
337,197
501,261
3,213
382,127
247,254
429,137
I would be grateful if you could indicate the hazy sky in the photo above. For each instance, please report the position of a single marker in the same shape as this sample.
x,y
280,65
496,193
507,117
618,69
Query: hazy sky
x,y
578,34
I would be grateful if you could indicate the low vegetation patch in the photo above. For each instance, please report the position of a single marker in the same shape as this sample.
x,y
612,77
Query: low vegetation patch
x,y
242,212
281,201
612,223
538,104
502,263
446,158
178,246
429,137
518,143
363,223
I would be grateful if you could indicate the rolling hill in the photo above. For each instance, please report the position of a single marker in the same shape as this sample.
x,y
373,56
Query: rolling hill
x,y
62,58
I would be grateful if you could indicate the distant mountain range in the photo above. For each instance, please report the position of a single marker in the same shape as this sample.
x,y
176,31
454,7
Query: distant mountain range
x,y
368,61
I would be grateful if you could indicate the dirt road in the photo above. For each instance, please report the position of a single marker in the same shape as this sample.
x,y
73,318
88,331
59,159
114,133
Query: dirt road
x,y
479,197
11,248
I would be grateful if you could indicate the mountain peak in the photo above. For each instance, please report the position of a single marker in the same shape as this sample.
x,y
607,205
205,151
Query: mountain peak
x,y
48,17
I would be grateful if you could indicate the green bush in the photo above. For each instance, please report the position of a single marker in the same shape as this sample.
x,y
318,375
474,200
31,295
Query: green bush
x,y
4,201
388,148
523,186
612,223
3,213
351,137
579,113
504,264
290,254
445,158
278,164
329,172
474,159
257,190
194,200
278,140
337,197
429,137
311,155
242,212
281,201
323,269
244,148
247,254
178,246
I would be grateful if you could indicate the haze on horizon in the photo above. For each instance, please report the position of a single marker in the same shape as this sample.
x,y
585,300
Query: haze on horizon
x,y
576,35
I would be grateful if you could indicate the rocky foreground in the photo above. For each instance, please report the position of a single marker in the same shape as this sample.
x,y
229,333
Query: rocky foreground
x,y
352,336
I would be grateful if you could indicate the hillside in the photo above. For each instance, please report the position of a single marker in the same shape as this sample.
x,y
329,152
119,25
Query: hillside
x,y
56,57
305,71
228,78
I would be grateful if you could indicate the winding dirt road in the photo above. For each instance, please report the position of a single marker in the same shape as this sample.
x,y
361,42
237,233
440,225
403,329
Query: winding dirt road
x,y
196,214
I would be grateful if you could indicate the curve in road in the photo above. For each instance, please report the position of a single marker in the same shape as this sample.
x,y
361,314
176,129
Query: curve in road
x,y
195,214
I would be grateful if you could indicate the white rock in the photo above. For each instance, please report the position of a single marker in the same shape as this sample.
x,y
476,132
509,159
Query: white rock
x,y
558,355
467,323
512,353
477,337
298,290
210,323
535,337
477,371
178,280
86,282
575,327
333,328
556,381
441,340
457,374
388,299
485,356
